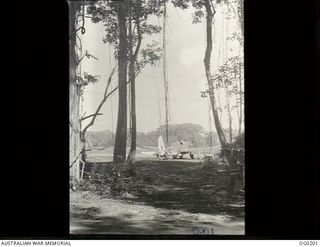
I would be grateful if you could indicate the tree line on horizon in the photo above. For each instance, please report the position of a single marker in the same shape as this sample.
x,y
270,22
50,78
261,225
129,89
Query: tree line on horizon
x,y
186,132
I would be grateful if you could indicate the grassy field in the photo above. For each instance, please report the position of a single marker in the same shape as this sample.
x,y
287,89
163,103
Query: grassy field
x,y
178,197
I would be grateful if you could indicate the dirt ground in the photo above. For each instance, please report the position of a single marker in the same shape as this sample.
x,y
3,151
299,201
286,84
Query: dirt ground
x,y
178,197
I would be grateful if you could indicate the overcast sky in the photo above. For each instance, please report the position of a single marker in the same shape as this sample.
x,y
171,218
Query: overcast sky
x,y
186,75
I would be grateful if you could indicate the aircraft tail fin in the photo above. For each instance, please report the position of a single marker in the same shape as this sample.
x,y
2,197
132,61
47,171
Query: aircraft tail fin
x,y
161,144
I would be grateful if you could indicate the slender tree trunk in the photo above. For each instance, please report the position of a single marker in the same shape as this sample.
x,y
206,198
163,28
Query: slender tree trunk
x,y
240,99
132,154
237,99
165,77
74,97
241,16
119,153
83,157
210,128
229,116
132,80
220,105
209,18
84,151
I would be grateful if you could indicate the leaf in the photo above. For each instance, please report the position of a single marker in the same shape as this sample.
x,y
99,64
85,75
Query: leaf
x,y
183,4
197,15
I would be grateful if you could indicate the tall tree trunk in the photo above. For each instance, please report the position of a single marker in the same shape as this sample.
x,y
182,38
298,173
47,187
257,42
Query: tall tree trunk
x,y
132,80
241,19
74,97
132,154
165,77
84,151
209,18
229,116
240,99
238,105
241,16
210,128
119,153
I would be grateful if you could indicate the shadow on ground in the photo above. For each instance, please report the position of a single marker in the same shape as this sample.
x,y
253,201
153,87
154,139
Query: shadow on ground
x,y
83,223
178,197
188,186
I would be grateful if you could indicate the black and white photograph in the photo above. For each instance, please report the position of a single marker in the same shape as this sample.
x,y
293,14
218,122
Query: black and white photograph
x,y
156,117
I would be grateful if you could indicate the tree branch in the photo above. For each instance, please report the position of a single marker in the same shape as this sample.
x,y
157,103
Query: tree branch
x,y
128,82
89,116
105,96
77,63
139,38
109,80
212,8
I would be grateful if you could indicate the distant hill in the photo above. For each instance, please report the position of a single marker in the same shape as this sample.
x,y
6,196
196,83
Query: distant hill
x,y
187,132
